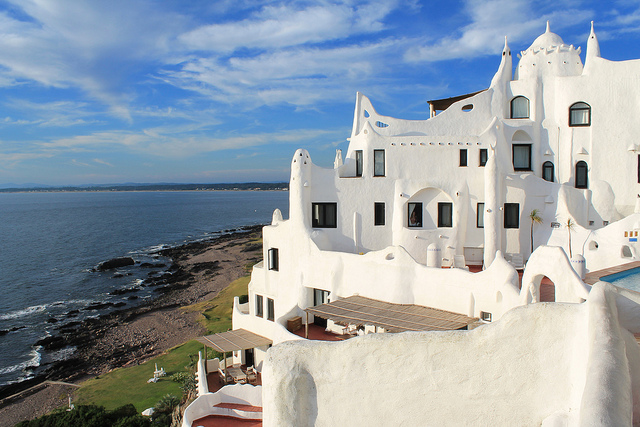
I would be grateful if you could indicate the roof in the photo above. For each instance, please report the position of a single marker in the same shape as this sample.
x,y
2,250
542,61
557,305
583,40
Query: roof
x,y
443,104
392,317
237,339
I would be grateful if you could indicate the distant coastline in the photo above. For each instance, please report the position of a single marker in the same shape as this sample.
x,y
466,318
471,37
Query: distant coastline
x,y
245,186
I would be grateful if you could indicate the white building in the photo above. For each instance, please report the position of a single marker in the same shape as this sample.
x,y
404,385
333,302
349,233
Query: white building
x,y
409,197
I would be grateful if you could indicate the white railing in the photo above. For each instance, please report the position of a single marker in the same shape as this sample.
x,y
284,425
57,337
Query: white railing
x,y
242,394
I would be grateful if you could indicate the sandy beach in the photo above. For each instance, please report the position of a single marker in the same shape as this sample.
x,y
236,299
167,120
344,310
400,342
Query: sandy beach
x,y
129,337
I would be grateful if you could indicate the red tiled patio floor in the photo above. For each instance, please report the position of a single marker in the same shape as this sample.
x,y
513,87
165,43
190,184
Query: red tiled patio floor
x,y
215,382
246,408
218,421
318,333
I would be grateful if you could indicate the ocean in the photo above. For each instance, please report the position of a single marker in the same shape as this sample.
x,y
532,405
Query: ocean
x,y
51,242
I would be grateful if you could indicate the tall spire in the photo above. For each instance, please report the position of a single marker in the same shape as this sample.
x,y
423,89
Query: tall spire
x,y
548,30
503,75
593,49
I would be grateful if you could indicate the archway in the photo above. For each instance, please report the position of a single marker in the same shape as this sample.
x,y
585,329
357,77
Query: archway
x,y
547,290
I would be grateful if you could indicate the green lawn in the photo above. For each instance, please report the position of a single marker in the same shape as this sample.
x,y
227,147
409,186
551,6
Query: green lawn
x,y
129,385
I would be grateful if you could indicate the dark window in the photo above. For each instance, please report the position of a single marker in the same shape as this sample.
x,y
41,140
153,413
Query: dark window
x,y
273,259
580,114
271,312
463,157
358,162
582,180
324,215
415,215
521,157
485,316
547,171
320,297
378,162
259,307
519,108
480,216
445,214
484,155
378,214
511,215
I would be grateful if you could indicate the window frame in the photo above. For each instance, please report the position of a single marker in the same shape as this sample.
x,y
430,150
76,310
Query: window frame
x,y
548,166
515,99
508,207
315,221
376,170
271,310
582,165
417,207
379,213
480,215
273,259
463,157
442,215
359,163
513,157
577,106
483,161
259,306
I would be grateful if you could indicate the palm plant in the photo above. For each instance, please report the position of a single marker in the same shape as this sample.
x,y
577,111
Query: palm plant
x,y
570,226
535,219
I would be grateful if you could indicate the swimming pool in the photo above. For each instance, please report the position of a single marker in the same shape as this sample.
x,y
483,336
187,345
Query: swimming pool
x,y
629,279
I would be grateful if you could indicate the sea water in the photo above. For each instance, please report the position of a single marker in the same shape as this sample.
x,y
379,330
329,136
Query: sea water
x,y
50,242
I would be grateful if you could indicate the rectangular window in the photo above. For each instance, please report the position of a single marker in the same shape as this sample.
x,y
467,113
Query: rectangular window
x,y
259,306
378,162
359,162
445,214
522,157
511,215
271,312
378,214
320,297
324,215
485,316
484,155
415,215
463,157
480,216
273,259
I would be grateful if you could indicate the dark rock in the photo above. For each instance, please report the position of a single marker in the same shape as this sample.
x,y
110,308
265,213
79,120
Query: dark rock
x,y
6,331
132,297
124,291
152,265
52,320
115,263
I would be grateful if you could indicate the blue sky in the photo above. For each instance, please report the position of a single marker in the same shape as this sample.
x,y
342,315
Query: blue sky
x,y
95,92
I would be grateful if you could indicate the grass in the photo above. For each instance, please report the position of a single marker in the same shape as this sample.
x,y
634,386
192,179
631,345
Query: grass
x,y
129,385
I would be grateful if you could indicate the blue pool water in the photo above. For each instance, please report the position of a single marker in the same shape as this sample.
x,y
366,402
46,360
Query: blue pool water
x,y
629,279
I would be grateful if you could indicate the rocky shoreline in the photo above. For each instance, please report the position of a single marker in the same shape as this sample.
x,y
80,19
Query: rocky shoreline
x,y
198,271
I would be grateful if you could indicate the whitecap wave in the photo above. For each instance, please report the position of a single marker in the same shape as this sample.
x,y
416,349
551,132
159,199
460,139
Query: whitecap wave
x,y
24,312
32,362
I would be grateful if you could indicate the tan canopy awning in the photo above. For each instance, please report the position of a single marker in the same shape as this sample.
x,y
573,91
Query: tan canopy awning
x,y
237,339
358,310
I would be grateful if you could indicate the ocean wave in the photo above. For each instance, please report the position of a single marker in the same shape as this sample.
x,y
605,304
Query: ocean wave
x,y
32,362
24,312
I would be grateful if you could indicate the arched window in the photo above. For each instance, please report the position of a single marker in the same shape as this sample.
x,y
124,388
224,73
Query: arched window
x,y
582,180
580,114
547,171
519,108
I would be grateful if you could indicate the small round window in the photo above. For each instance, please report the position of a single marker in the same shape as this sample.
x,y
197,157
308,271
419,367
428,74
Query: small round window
x,y
467,108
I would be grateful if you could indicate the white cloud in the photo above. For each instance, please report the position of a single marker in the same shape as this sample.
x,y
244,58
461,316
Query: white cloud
x,y
491,21
161,143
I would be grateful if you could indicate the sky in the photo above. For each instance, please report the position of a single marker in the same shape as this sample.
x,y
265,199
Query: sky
x,y
214,91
